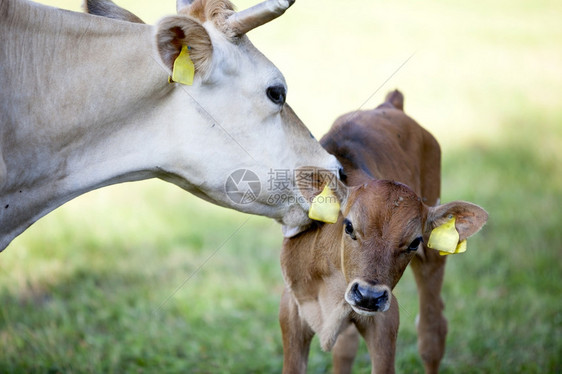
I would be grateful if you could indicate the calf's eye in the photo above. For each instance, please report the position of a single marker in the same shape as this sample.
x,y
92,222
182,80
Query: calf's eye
x,y
349,228
415,244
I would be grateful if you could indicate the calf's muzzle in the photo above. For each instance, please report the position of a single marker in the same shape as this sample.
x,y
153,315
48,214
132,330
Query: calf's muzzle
x,y
367,299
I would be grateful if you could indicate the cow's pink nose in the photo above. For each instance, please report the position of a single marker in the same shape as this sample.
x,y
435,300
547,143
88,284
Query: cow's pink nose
x,y
369,298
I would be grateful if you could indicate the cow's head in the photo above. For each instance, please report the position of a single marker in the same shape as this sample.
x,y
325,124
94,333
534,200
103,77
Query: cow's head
x,y
383,225
244,141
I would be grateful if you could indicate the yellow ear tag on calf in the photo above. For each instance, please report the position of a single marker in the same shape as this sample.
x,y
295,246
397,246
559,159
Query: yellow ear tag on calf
x,y
325,207
460,249
184,70
445,238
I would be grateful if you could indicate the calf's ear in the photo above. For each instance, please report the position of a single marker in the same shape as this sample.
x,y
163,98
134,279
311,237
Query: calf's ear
x,y
449,225
322,193
173,33
311,181
468,218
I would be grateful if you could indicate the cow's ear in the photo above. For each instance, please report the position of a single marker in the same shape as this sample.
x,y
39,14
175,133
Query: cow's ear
x,y
173,33
468,218
108,9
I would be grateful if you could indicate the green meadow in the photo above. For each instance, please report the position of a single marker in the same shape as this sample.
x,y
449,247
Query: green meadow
x,y
145,278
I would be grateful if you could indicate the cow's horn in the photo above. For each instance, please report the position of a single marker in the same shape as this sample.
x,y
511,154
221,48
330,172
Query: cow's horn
x,y
246,20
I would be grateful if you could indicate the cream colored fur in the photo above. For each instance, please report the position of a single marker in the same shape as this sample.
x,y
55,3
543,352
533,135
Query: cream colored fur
x,y
86,103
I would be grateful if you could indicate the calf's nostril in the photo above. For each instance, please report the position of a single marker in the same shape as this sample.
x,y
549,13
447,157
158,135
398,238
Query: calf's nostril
x,y
357,295
383,298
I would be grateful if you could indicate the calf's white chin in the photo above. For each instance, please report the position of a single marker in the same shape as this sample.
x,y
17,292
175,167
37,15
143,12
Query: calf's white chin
x,y
369,313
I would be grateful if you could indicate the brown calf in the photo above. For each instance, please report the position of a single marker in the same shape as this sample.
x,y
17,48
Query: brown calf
x,y
339,277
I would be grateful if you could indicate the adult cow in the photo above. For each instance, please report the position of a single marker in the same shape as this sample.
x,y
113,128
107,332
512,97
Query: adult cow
x,y
85,102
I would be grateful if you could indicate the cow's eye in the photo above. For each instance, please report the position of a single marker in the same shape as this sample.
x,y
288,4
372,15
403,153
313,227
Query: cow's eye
x,y
277,94
415,244
349,229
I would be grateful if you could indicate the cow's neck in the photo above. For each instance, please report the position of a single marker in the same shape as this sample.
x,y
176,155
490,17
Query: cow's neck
x,y
81,83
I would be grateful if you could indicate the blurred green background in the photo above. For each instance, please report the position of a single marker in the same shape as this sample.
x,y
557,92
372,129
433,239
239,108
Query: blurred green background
x,y
144,278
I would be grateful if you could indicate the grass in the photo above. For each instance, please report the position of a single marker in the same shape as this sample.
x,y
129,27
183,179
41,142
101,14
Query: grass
x,y
143,278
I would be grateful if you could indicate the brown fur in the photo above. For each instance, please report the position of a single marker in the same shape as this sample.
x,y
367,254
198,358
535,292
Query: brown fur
x,y
324,267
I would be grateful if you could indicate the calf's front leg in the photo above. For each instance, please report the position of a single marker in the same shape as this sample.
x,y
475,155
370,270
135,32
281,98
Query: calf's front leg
x,y
297,336
432,324
380,335
345,350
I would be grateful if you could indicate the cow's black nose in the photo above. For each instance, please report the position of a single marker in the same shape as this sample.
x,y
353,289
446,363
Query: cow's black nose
x,y
368,297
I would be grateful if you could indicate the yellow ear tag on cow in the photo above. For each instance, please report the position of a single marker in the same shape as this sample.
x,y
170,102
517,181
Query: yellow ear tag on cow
x,y
325,207
444,238
184,70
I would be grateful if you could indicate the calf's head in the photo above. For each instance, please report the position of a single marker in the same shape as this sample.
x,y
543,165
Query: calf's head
x,y
383,225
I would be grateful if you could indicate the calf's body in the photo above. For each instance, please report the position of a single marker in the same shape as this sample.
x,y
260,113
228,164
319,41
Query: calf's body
x,y
339,277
